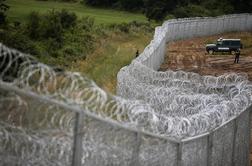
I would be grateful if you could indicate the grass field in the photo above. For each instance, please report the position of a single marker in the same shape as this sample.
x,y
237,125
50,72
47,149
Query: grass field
x,y
113,53
19,10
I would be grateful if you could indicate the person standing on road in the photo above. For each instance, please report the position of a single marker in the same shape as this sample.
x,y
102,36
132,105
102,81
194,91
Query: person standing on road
x,y
237,56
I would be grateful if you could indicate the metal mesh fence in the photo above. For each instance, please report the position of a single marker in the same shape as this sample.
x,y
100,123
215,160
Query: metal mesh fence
x,y
51,117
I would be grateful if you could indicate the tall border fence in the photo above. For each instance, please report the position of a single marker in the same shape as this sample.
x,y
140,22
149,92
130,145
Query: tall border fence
x,y
50,117
228,144
171,30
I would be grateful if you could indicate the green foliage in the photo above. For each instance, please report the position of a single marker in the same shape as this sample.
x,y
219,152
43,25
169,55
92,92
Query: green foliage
x,y
87,23
191,11
218,7
99,50
33,25
3,9
20,11
244,6
61,0
121,27
83,35
133,26
130,5
58,38
50,26
159,9
197,11
17,39
100,3
67,19
45,26
53,34
180,12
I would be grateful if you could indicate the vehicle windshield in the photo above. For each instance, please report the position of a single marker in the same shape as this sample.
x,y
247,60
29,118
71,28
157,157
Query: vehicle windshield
x,y
219,42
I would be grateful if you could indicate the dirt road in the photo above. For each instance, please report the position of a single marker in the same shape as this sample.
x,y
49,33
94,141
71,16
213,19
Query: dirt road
x,y
190,55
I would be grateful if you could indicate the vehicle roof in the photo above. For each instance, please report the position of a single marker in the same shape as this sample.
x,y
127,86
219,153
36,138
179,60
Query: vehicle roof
x,y
229,39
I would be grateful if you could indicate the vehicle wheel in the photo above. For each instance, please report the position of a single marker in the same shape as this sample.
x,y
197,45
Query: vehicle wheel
x,y
210,52
232,52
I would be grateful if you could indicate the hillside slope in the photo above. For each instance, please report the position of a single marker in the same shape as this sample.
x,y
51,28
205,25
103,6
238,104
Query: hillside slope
x,y
20,9
106,48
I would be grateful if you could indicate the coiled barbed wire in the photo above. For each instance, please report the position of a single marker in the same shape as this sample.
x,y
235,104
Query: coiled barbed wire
x,y
171,95
185,104
34,132
170,104
186,107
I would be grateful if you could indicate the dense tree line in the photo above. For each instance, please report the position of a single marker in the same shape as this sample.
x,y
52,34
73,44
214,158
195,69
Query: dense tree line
x,y
159,9
61,0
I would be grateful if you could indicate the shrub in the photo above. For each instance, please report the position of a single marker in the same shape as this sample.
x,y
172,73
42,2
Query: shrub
x,y
51,26
141,26
103,3
123,27
33,25
2,18
87,23
197,11
67,19
219,7
17,40
180,12
52,45
155,14
130,5
3,9
60,0
191,11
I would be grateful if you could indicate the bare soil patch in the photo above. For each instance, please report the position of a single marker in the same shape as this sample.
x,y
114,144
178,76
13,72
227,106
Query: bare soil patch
x,y
190,55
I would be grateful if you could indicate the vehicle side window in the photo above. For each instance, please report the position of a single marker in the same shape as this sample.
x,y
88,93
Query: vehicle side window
x,y
226,43
235,43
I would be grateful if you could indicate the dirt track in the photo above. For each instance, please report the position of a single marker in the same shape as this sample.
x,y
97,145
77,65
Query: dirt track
x,y
190,55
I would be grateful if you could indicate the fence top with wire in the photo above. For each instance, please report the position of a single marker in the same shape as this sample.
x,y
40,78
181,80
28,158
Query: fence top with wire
x,y
173,104
180,104
185,103
153,115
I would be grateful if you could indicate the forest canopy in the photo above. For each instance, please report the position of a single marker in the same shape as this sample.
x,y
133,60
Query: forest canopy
x,y
159,9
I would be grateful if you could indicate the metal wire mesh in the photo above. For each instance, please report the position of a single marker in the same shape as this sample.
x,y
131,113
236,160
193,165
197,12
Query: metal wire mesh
x,y
144,126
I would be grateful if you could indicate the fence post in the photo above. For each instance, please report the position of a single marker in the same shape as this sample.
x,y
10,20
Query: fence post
x,y
234,141
247,23
179,154
77,145
136,151
209,149
197,27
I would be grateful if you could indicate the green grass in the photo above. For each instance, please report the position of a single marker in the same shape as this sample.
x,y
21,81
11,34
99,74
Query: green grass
x,y
19,10
115,52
